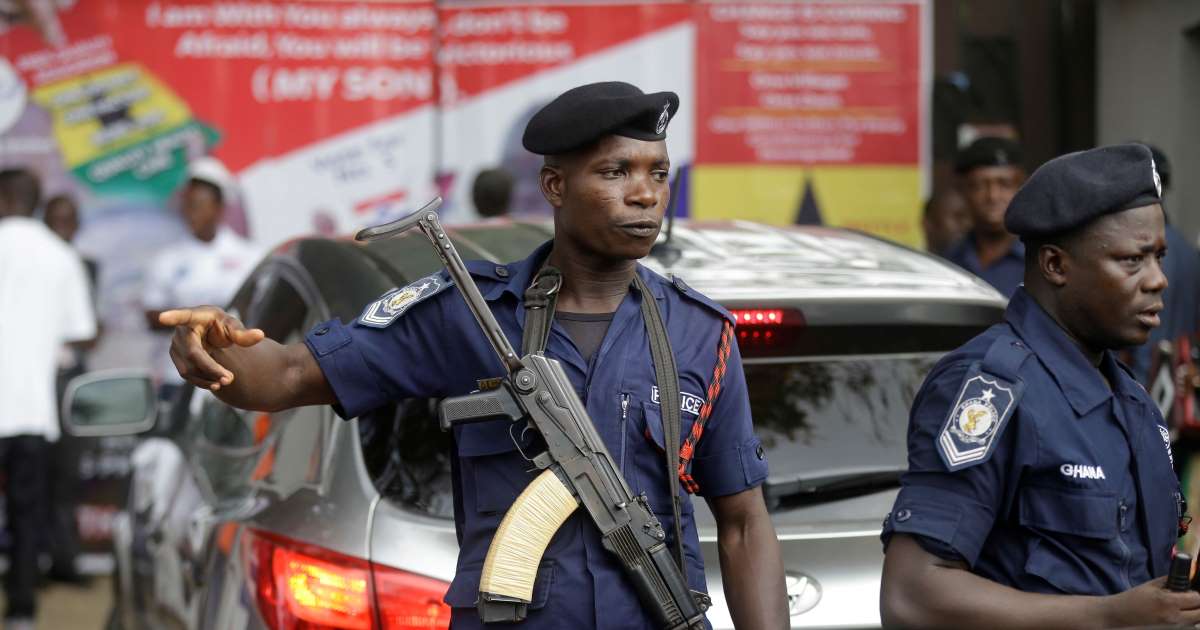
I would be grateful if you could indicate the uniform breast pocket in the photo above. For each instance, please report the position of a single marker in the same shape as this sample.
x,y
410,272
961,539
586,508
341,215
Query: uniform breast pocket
x,y
494,470
1073,528
649,465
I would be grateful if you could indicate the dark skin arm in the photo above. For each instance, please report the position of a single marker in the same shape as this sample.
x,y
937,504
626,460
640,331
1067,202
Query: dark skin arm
x,y
751,562
921,590
213,350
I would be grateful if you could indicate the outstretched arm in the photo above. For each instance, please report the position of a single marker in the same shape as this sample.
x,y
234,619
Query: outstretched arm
x,y
213,350
751,562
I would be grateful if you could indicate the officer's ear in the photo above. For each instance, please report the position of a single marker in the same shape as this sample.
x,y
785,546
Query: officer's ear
x,y
552,179
1054,263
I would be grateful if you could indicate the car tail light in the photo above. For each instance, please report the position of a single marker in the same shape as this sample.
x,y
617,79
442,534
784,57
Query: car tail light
x,y
758,316
408,601
766,329
755,335
303,587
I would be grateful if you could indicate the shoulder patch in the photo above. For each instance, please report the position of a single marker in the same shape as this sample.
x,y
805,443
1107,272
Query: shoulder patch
x,y
382,312
700,298
984,405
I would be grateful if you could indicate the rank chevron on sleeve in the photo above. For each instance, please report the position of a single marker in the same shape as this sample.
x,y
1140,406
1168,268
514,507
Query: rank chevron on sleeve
x,y
393,304
977,419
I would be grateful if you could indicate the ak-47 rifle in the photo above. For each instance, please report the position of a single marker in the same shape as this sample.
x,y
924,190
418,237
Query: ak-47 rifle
x,y
577,469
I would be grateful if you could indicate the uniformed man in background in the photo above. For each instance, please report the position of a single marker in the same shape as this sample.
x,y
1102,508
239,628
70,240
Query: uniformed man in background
x,y
605,176
1040,490
989,173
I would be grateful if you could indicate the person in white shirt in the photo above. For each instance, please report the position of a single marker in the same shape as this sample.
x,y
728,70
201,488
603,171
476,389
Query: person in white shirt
x,y
204,269
44,302
60,213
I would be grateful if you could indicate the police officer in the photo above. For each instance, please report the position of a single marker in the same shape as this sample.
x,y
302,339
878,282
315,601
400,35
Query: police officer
x,y
605,175
989,174
1038,467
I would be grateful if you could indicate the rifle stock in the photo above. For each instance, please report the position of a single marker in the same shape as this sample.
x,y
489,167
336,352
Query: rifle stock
x,y
577,470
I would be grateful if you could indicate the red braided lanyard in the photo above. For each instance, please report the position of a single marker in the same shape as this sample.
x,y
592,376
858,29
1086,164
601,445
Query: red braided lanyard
x,y
714,389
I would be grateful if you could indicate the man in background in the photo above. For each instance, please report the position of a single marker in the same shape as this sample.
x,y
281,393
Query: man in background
x,y
990,171
206,268
61,215
44,303
491,192
945,220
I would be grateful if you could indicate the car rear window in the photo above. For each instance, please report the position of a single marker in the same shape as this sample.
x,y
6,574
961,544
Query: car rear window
x,y
832,418
408,456
831,404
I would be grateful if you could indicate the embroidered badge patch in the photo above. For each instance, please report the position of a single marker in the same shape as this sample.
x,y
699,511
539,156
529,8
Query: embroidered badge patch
x,y
392,305
984,404
1166,438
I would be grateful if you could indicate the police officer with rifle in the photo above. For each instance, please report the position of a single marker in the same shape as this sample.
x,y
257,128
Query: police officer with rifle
x,y
591,403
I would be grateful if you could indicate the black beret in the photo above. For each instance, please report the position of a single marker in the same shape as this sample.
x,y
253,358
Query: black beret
x,y
582,115
1074,189
987,151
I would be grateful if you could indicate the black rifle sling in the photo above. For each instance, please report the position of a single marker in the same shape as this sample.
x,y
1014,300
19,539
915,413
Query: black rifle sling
x,y
539,309
540,299
667,376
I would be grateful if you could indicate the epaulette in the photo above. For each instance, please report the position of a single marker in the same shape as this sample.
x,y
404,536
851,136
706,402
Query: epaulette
x,y
487,269
391,305
700,298
986,400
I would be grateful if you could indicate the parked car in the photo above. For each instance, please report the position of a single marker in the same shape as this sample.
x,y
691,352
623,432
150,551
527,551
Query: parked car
x,y
265,520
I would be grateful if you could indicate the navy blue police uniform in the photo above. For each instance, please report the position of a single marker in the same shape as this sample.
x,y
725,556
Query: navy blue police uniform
x,y
1033,466
422,341
1004,274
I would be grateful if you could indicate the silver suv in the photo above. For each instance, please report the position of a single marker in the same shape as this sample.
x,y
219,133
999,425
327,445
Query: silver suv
x,y
256,520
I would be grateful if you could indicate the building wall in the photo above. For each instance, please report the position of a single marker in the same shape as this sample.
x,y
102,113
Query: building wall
x,y
1148,88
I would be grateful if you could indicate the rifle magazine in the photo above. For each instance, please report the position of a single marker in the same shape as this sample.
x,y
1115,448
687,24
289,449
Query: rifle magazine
x,y
512,561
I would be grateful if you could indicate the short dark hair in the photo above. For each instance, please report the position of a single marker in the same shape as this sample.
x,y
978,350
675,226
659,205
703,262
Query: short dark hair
x,y
213,188
61,199
492,192
1066,240
20,191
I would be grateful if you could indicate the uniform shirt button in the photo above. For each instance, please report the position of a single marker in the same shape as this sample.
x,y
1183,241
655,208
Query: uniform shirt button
x,y
321,331
760,451
502,271
903,515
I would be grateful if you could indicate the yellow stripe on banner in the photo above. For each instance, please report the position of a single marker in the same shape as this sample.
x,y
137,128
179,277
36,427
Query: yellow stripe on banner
x,y
99,113
882,200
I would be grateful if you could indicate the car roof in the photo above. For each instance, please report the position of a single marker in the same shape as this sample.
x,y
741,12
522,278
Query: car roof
x,y
732,262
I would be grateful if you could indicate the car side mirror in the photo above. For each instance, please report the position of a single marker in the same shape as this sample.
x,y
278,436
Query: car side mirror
x,y
110,403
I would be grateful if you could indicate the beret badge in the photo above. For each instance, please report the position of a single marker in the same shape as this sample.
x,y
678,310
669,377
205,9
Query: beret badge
x,y
1157,179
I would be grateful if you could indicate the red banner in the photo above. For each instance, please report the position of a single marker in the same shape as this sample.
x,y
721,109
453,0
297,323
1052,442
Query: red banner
x,y
485,47
808,83
272,75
